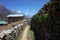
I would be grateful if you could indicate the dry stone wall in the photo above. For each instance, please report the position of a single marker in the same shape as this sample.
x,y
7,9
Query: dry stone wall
x,y
12,33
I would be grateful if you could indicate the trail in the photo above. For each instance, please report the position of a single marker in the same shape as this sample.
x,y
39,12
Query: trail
x,y
24,36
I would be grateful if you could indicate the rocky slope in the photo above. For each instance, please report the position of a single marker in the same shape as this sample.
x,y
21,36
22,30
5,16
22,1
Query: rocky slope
x,y
4,12
46,23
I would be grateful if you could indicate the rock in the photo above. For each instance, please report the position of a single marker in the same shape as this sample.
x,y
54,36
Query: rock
x,y
11,33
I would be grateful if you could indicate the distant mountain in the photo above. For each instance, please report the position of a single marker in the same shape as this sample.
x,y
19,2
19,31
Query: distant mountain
x,y
4,12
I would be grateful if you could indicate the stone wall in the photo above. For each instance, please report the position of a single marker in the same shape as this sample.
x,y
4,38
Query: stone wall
x,y
12,33
47,27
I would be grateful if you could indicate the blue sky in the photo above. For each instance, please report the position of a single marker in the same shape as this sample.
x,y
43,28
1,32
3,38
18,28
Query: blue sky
x,y
28,7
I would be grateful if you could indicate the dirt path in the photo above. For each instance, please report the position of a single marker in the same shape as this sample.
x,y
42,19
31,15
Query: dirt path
x,y
24,36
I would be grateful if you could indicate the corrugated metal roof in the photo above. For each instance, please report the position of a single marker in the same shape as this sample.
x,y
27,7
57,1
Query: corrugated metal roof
x,y
3,22
15,15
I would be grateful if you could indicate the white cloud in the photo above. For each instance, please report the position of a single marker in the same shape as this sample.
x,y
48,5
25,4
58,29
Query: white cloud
x,y
19,11
26,13
33,11
29,12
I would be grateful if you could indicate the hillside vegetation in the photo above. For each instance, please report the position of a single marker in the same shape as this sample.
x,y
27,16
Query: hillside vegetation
x,y
46,23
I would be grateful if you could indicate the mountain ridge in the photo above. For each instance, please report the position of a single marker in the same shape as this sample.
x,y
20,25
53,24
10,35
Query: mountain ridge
x,y
4,12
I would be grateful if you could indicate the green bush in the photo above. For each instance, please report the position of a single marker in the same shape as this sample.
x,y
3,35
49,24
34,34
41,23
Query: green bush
x,y
41,17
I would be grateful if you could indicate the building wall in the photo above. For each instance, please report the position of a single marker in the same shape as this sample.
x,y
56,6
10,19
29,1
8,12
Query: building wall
x,y
15,20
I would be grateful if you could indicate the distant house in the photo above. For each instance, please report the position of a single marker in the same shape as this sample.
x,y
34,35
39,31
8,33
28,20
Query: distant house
x,y
13,18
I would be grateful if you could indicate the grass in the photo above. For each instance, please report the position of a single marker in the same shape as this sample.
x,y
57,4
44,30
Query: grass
x,y
30,35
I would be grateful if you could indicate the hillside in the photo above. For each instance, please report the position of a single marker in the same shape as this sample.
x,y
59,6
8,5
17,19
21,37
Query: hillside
x,y
4,12
46,23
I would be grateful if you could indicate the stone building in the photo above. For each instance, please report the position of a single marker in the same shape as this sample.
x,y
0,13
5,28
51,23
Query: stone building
x,y
15,19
